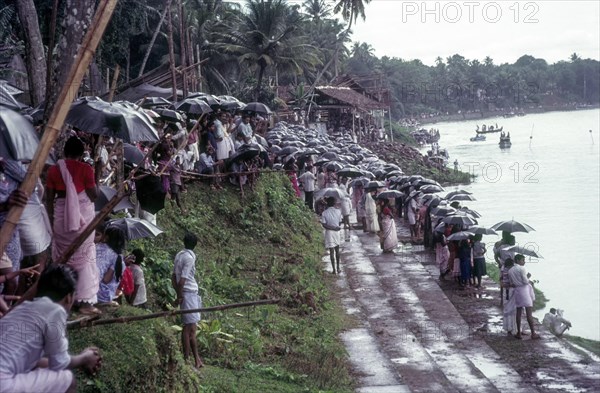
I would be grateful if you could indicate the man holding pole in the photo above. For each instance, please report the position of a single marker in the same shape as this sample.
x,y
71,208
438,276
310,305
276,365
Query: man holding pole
x,y
184,282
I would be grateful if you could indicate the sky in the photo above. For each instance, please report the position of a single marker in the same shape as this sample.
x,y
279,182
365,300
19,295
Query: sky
x,y
504,30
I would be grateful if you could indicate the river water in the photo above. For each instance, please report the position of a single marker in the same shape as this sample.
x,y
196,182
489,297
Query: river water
x,y
548,179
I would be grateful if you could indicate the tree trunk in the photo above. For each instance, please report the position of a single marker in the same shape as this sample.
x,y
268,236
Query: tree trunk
x,y
75,23
34,49
182,49
172,56
261,72
147,55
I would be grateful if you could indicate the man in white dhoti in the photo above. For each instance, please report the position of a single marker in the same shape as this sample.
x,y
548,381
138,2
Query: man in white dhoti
x,y
523,294
330,219
555,322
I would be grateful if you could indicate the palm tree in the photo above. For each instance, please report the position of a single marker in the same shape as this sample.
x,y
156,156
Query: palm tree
x,y
317,10
351,10
266,36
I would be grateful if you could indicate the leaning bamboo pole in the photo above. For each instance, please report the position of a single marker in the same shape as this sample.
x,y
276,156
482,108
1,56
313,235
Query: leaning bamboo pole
x,y
81,323
59,113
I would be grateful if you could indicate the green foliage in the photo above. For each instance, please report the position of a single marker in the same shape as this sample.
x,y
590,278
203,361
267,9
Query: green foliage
x,y
266,245
143,356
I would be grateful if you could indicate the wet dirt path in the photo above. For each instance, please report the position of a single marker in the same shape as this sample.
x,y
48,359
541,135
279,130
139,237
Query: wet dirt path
x,y
418,334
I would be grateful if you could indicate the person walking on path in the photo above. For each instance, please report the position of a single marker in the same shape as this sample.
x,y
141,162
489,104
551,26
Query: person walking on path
x,y
330,219
186,287
523,294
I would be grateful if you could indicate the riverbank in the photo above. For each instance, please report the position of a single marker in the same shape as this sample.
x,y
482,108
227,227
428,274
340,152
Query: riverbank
x,y
417,333
482,115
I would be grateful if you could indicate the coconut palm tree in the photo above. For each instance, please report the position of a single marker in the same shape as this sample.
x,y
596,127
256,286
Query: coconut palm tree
x,y
265,36
351,10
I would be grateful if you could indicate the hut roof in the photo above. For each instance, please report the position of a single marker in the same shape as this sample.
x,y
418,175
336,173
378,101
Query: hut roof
x,y
350,96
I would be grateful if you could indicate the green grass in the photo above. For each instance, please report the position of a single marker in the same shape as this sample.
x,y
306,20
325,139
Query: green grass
x,y
590,345
266,245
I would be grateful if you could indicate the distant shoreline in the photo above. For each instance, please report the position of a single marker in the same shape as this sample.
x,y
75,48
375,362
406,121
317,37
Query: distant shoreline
x,y
491,114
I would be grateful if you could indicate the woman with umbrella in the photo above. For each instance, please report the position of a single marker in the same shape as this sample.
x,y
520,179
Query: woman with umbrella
x,y
371,211
465,254
111,265
70,195
389,236
330,219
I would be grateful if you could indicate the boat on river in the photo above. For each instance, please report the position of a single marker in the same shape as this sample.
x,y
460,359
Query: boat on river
x,y
489,130
505,142
478,138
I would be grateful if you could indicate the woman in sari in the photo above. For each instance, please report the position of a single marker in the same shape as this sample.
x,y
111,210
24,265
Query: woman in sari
x,y
70,195
389,236
509,311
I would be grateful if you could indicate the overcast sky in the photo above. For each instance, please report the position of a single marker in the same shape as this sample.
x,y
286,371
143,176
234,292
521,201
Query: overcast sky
x,y
504,30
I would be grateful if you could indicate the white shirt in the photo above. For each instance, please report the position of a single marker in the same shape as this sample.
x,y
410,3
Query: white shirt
x,y
30,331
308,181
138,279
517,276
185,266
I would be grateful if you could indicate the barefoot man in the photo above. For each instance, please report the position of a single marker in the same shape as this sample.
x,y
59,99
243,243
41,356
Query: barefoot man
x,y
524,295
184,282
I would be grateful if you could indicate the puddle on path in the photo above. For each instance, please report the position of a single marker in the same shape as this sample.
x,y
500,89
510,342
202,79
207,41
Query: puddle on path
x,y
550,382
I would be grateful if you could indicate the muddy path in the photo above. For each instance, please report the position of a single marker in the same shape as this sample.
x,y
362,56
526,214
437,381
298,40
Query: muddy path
x,y
416,333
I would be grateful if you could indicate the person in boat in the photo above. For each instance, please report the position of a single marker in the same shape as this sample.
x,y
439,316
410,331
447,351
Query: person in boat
x,y
508,135
483,127
477,129
491,128
502,134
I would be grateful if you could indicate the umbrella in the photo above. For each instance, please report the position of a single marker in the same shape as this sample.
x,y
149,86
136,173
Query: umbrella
x,y
18,140
389,194
149,102
512,226
349,172
330,156
470,212
529,251
462,235
245,152
440,228
330,192
136,228
459,219
443,210
193,106
7,100
286,151
105,194
132,154
257,107
208,98
169,115
362,181
93,115
430,189
375,184
412,195
479,230
458,192
461,197
231,105
393,173
334,166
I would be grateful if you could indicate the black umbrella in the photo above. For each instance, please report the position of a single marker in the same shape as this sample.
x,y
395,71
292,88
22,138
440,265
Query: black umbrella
x,y
458,192
244,153
287,151
330,156
461,219
8,100
529,251
18,140
330,192
150,193
231,105
395,172
389,194
512,226
375,184
132,154
149,102
169,115
105,194
257,107
430,189
211,100
461,197
334,166
362,181
193,106
349,172
96,116
136,228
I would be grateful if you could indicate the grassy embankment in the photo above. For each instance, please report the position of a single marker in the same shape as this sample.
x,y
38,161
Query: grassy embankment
x,y
264,246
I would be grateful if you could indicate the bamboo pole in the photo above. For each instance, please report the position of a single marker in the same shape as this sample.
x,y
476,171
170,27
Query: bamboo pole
x,y
59,113
182,48
81,323
113,85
